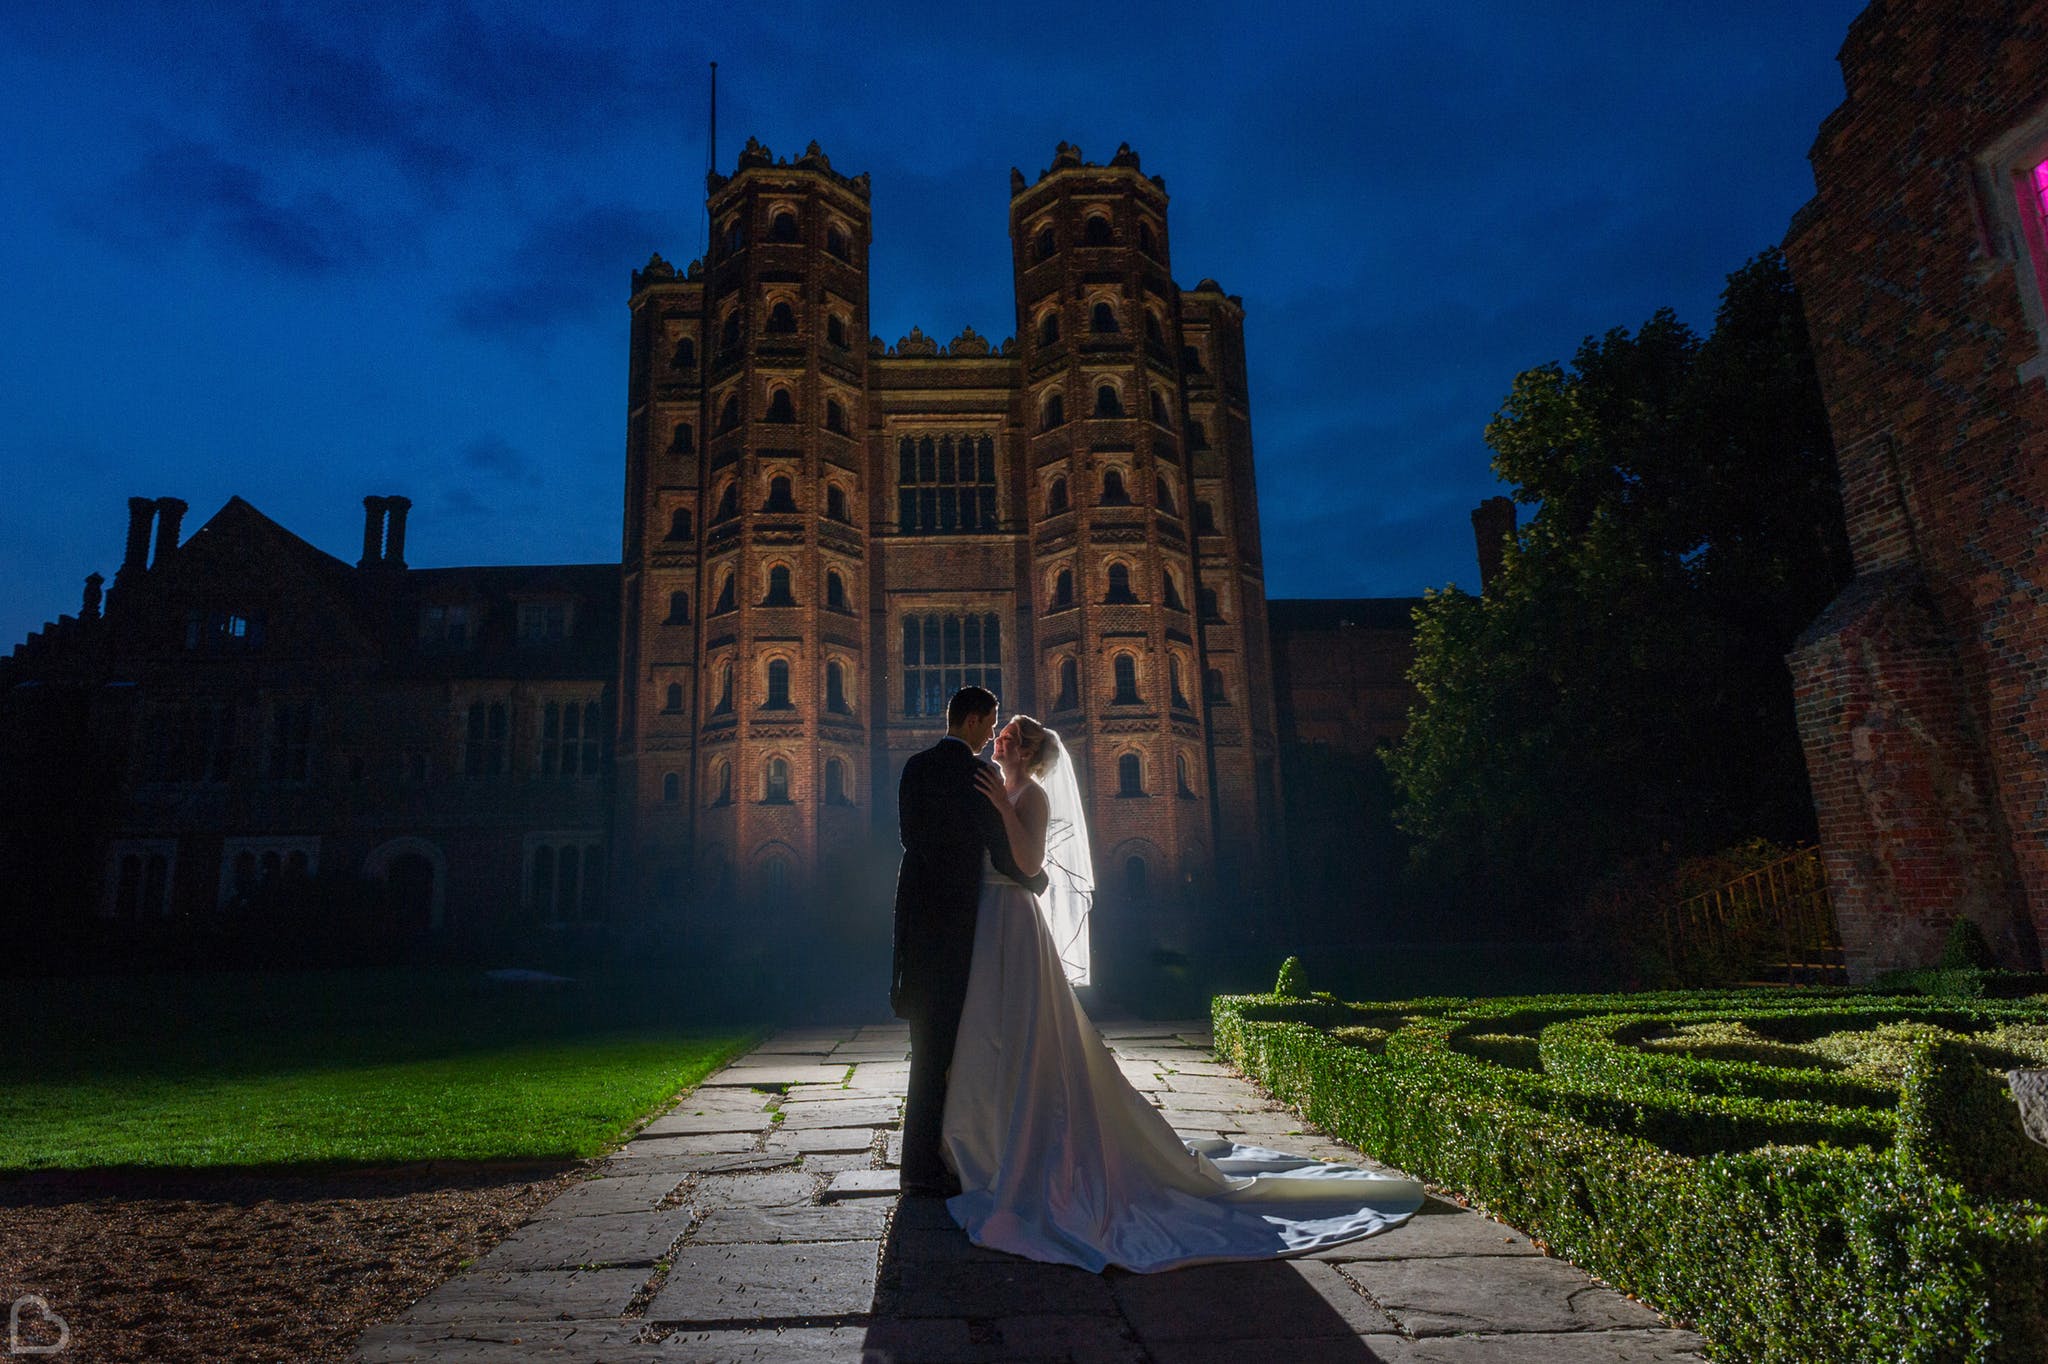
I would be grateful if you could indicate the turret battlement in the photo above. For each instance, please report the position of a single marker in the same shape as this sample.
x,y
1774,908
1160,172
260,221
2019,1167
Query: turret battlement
x,y
1067,157
755,156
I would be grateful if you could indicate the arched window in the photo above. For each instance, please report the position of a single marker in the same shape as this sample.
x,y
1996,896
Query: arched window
x,y
836,243
1070,686
671,788
1120,585
684,442
1097,232
835,330
1198,436
725,596
780,496
1191,359
678,609
1049,328
721,782
781,319
781,407
778,686
685,357
729,415
679,524
782,227
835,503
1164,491
1159,413
835,690
673,699
1063,589
835,782
1147,242
1153,332
945,484
1107,403
1172,586
724,706
775,875
1180,696
1130,775
1126,672
729,331
735,234
483,755
1048,243
779,593
1134,878
1212,685
835,591
1102,319
1205,518
776,785
835,416
1182,782
1114,494
1056,497
1054,412
728,503
1207,604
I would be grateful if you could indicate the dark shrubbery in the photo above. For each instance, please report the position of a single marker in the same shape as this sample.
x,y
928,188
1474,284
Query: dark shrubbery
x,y
1751,1179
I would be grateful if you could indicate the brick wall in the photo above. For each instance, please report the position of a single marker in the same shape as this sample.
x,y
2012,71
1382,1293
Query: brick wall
x,y
1921,689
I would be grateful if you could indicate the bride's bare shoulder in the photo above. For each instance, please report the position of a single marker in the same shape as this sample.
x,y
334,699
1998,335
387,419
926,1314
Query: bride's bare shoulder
x,y
1033,804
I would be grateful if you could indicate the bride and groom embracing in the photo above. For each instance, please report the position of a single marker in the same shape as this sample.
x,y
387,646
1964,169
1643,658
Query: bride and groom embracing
x,y
1017,1113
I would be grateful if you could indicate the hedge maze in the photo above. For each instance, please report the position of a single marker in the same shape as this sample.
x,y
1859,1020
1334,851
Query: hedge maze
x,y
1798,1174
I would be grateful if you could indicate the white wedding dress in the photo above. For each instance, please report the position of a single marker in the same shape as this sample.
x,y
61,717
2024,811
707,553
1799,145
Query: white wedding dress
x,y
1060,1159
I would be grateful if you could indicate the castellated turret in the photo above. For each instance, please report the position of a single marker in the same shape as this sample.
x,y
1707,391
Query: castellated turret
x,y
825,536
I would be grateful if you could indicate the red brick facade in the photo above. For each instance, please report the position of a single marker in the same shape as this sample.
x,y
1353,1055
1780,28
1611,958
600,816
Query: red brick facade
x,y
1922,691
1069,517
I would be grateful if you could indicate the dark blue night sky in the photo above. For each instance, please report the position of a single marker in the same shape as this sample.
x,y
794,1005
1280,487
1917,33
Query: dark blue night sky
x,y
303,253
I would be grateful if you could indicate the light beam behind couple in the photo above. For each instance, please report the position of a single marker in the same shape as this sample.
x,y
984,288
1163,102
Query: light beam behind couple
x,y
1017,1113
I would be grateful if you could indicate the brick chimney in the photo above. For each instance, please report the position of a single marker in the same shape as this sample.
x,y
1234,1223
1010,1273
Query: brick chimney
x,y
170,515
1493,521
394,537
135,559
374,509
90,610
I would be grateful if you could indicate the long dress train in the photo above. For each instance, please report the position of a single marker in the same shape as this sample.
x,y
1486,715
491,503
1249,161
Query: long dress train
x,y
1060,1159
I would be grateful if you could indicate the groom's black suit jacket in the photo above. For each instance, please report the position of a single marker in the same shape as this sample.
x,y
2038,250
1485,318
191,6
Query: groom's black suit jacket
x,y
946,823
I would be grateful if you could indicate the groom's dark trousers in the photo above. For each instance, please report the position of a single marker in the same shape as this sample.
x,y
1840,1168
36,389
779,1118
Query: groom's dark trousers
x,y
946,824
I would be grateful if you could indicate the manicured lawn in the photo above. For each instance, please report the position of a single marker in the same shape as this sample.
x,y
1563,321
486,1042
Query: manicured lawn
x,y
237,1069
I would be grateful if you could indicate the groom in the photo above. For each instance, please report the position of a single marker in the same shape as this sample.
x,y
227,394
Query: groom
x,y
946,825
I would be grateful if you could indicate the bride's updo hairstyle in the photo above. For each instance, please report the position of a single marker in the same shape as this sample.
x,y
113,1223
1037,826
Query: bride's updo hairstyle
x,y
1041,746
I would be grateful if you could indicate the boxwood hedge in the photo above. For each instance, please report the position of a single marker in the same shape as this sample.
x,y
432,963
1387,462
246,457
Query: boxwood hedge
x,y
1788,1214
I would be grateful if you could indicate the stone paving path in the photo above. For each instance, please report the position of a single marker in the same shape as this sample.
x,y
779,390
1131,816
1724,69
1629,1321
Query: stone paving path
x,y
759,1220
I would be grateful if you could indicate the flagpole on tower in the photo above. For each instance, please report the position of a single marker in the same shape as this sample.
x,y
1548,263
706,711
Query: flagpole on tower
x,y
711,164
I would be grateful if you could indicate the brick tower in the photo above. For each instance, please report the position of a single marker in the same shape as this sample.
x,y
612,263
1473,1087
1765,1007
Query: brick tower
x,y
739,732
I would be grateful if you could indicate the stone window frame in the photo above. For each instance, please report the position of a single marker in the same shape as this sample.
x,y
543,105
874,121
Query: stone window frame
x,y
1137,696
848,777
2013,223
836,222
1180,666
582,699
782,297
764,669
782,384
923,605
1098,382
849,694
589,907
849,410
1050,312
1042,403
143,849
773,209
769,473
1105,212
1053,602
849,605
1110,563
1184,770
719,599
718,781
285,846
1064,699
1140,790
1057,482
767,567
724,697
1035,234
843,486
719,514
1105,298
789,769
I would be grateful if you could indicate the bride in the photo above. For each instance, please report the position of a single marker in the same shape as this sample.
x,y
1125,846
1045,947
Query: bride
x,y
1058,1157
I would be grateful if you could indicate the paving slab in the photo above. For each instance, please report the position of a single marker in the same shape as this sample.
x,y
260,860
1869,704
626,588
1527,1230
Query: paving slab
x,y
692,1124
846,1113
615,1193
481,1295
773,1189
1441,1230
776,1072
619,1163
620,1238
863,1184
1268,1302
512,1342
695,1144
808,1139
1494,1293
766,1345
754,1283
743,1225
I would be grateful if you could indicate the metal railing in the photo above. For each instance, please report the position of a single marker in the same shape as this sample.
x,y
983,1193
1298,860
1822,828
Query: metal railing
x,y
1775,922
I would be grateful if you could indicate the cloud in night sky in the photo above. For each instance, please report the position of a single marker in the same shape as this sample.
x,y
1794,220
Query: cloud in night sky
x,y
384,247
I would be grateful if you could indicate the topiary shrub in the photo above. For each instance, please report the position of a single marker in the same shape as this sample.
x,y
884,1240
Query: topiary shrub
x,y
1293,982
1958,1122
1966,948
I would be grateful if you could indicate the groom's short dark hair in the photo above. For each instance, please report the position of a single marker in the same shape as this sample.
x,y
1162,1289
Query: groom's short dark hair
x,y
967,703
